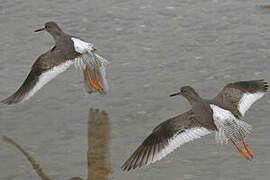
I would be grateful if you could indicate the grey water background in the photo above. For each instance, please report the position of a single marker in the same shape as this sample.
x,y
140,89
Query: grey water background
x,y
155,46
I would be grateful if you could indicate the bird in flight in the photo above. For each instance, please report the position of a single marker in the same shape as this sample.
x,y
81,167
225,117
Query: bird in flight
x,y
68,50
222,114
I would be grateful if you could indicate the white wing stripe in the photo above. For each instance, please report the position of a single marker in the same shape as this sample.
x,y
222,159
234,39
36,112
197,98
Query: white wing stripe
x,y
180,139
48,76
247,100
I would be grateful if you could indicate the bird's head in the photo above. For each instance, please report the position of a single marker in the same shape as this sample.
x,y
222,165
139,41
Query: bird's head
x,y
188,92
51,27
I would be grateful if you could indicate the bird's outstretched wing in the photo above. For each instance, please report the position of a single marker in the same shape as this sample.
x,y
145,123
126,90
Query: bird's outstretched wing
x,y
164,139
41,73
239,96
56,61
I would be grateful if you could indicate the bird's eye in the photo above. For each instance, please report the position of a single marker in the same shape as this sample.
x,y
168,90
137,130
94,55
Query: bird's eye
x,y
46,27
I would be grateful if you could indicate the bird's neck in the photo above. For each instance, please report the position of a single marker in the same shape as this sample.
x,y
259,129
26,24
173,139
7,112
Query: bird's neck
x,y
193,100
57,36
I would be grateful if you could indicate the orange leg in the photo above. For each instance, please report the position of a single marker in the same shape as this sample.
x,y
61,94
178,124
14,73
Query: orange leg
x,y
240,150
99,84
91,81
248,151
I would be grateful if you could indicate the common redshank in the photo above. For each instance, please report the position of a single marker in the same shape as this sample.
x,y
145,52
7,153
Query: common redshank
x,y
222,114
67,50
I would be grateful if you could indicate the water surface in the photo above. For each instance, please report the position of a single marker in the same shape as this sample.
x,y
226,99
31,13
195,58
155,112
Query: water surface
x,y
155,46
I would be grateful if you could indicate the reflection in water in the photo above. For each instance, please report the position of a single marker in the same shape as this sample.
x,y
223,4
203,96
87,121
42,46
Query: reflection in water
x,y
76,178
266,6
33,162
98,148
98,145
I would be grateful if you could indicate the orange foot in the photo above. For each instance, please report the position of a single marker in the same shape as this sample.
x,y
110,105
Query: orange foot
x,y
248,151
90,80
99,84
240,150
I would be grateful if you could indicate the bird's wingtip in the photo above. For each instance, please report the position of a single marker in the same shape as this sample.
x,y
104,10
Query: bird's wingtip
x,y
5,101
10,100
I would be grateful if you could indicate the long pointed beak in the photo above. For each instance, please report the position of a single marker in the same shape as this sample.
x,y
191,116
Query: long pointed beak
x,y
42,29
175,94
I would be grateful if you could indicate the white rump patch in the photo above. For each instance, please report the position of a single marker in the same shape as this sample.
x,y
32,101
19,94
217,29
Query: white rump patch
x,y
228,126
247,100
220,113
89,57
180,139
82,46
47,76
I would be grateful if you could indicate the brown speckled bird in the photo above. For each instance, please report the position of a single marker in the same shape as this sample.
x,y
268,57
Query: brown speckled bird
x,y
68,50
222,114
